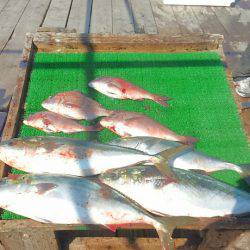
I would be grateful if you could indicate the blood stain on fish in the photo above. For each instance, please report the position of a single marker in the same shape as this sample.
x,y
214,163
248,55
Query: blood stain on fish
x,y
42,188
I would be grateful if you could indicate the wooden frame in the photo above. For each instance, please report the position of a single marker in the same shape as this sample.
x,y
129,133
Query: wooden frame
x,y
61,40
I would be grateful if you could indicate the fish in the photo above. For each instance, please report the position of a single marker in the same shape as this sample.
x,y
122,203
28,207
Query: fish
x,y
119,88
75,105
52,123
83,201
190,194
58,155
188,159
130,124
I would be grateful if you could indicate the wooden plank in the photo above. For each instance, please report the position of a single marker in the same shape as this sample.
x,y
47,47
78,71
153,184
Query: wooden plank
x,y
123,19
11,55
164,18
57,14
144,21
29,239
121,243
208,20
236,21
3,4
71,42
9,18
203,223
11,124
186,19
101,18
80,15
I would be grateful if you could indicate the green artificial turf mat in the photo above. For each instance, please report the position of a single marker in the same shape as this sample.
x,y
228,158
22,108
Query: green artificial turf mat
x,y
202,104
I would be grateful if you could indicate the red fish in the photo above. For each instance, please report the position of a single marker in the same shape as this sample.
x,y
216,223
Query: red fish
x,y
75,105
122,89
50,122
128,124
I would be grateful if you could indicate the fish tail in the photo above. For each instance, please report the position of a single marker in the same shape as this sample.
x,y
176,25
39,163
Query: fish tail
x,y
166,225
96,127
161,100
161,160
165,235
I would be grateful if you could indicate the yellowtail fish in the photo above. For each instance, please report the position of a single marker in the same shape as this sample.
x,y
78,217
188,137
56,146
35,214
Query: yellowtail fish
x,y
190,194
129,124
57,155
71,200
187,159
122,89
75,105
52,123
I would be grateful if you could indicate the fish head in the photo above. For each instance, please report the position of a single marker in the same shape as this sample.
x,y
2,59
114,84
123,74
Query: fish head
x,y
51,102
38,120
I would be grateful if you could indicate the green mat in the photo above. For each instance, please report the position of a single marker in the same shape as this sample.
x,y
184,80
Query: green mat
x,y
202,104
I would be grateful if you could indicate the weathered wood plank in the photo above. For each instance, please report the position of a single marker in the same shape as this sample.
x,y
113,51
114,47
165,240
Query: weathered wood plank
x,y
29,239
2,4
236,21
164,18
186,19
80,14
123,19
11,55
57,14
208,20
144,21
11,124
72,42
9,18
101,18
203,223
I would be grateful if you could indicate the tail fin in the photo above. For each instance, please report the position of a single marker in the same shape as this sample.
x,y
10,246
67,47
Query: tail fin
x,y
161,100
189,140
161,160
97,127
165,227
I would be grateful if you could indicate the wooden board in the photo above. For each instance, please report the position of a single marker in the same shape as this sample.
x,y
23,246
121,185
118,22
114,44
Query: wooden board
x,y
80,15
9,17
68,41
11,55
123,18
101,18
57,14
144,21
165,19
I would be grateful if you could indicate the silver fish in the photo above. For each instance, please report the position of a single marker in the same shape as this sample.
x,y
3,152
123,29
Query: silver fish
x,y
189,158
83,201
75,105
190,194
57,155
52,123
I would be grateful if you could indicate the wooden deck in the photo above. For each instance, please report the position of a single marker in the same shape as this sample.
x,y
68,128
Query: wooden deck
x,y
118,17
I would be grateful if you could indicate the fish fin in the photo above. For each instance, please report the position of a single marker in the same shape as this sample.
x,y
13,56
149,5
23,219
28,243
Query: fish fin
x,y
189,140
166,225
96,127
161,100
245,172
161,160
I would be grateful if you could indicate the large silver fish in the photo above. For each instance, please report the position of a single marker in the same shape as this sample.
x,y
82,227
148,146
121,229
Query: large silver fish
x,y
57,155
75,105
187,159
190,194
82,201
